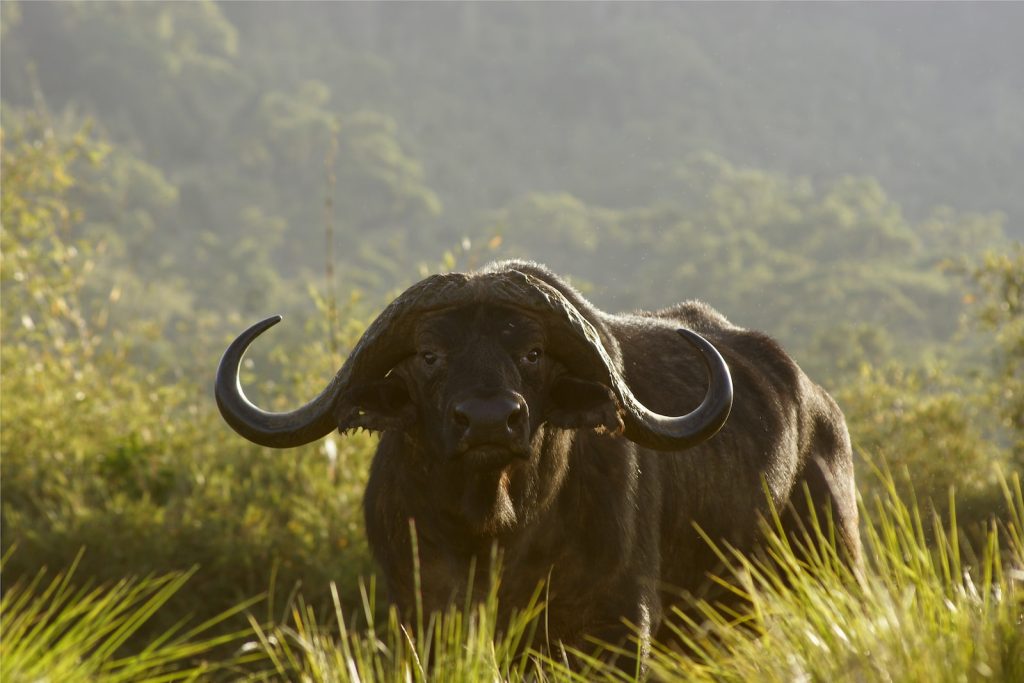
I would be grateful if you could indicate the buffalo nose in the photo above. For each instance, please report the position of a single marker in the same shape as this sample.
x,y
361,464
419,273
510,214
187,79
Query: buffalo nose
x,y
490,420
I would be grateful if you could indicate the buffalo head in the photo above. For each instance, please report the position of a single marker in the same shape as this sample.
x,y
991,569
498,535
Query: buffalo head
x,y
471,369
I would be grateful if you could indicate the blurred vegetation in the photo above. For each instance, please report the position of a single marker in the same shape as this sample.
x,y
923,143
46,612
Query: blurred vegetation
x,y
173,171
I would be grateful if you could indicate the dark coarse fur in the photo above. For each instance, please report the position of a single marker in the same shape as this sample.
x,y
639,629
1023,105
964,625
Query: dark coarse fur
x,y
607,524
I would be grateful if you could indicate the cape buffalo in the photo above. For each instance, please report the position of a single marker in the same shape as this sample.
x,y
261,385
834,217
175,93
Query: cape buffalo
x,y
513,412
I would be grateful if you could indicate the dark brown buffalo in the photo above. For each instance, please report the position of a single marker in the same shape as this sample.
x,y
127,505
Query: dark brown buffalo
x,y
513,412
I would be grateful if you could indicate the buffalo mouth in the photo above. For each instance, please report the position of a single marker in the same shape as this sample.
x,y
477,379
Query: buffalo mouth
x,y
491,457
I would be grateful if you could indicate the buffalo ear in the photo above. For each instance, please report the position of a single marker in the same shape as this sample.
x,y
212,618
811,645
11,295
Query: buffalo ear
x,y
576,403
379,405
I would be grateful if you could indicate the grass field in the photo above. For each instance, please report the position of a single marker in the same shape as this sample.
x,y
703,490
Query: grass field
x,y
927,607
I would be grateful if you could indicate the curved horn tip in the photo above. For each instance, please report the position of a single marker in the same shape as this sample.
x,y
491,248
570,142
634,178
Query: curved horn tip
x,y
242,341
277,430
269,322
255,330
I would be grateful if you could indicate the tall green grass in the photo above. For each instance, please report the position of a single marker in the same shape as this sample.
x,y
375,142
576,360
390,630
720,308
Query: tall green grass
x,y
57,631
925,606
462,645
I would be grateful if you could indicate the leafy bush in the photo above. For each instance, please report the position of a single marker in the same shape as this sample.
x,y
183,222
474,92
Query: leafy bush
x,y
104,452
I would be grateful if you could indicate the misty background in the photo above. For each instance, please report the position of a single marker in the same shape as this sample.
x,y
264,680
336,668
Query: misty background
x,y
846,177
654,152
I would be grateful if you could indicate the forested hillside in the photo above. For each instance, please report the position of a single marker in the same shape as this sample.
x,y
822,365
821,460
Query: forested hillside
x,y
846,177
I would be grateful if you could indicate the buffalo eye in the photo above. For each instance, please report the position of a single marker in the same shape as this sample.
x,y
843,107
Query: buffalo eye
x,y
429,358
532,357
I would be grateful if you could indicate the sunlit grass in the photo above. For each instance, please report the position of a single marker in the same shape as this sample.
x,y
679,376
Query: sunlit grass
x,y
55,631
925,607
466,644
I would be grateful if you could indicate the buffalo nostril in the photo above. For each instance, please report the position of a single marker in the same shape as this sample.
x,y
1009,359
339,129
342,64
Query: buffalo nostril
x,y
515,418
460,417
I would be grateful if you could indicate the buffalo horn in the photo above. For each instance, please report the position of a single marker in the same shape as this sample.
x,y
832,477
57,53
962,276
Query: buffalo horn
x,y
389,339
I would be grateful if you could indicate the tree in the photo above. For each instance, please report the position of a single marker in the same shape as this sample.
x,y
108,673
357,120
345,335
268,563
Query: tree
x,y
998,306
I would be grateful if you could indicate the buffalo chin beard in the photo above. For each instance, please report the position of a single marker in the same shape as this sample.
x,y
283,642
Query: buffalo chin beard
x,y
486,504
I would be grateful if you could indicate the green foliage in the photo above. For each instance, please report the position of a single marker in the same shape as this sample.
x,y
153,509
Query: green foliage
x,y
931,426
42,272
601,102
999,278
104,451
943,421
773,252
